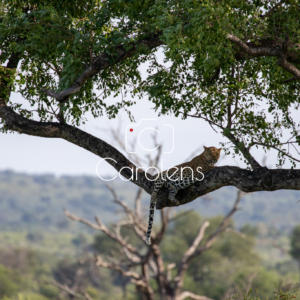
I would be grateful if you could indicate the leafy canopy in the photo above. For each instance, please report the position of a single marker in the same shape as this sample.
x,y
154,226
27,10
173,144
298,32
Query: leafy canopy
x,y
204,74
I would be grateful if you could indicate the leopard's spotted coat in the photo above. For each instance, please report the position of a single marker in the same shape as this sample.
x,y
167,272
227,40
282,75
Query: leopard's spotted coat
x,y
180,177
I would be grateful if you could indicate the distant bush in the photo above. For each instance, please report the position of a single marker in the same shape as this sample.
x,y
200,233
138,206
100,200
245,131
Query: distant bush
x,y
278,295
49,291
23,296
10,281
35,236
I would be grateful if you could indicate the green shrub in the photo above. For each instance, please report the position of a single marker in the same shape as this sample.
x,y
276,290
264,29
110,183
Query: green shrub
x,y
10,282
49,291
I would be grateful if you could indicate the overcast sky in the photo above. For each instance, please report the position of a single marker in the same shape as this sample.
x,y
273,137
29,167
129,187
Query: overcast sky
x,y
22,153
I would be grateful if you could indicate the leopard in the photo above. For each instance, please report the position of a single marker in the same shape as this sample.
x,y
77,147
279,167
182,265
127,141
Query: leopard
x,y
181,177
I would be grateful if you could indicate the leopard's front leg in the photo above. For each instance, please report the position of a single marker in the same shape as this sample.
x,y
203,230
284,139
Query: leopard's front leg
x,y
173,189
175,186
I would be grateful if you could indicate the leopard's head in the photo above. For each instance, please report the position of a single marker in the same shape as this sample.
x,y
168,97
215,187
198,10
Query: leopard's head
x,y
212,154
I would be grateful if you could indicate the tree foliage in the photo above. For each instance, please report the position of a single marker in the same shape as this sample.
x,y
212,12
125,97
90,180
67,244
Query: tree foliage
x,y
231,63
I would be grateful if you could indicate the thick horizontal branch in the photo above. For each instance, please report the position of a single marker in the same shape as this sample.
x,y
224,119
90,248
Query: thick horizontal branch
x,y
261,179
15,122
245,180
104,61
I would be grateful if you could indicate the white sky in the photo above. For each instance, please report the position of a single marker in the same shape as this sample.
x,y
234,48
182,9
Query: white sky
x,y
23,153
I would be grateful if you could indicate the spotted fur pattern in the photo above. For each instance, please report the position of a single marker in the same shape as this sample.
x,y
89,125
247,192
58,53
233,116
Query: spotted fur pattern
x,y
180,177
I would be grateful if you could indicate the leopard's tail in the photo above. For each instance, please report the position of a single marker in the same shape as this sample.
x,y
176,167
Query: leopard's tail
x,y
151,217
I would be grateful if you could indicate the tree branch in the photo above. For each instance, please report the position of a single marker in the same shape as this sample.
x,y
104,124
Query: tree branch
x,y
245,180
112,266
65,288
246,153
137,223
192,252
276,148
15,122
195,244
220,229
191,295
103,228
104,61
267,51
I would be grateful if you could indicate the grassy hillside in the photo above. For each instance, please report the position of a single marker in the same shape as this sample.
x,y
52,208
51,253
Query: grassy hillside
x,y
37,201
38,243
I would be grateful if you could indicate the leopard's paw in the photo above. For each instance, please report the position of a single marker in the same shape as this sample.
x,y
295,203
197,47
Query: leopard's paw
x,y
173,199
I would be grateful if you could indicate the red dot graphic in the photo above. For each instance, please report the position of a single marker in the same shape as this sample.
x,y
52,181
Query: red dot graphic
x,y
130,129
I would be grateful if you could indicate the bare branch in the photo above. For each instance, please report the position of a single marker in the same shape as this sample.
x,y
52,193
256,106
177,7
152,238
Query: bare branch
x,y
144,287
191,295
158,259
139,226
169,268
137,201
87,296
164,224
100,263
65,288
250,281
240,234
196,242
221,227
86,222
103,228
192,252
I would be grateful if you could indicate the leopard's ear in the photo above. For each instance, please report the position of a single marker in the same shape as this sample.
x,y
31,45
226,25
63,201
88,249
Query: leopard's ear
x,y
205,148
220,149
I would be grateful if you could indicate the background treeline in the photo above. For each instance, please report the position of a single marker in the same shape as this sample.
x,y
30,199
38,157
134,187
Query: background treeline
x,y
31,201
39,244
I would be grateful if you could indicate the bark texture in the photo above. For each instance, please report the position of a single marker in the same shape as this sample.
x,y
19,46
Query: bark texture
x,y
262,179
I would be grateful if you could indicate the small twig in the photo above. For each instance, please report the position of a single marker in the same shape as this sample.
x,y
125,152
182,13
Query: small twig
x,y
290,79
236,232
221,227
180,215
191,295
274,147
65,288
